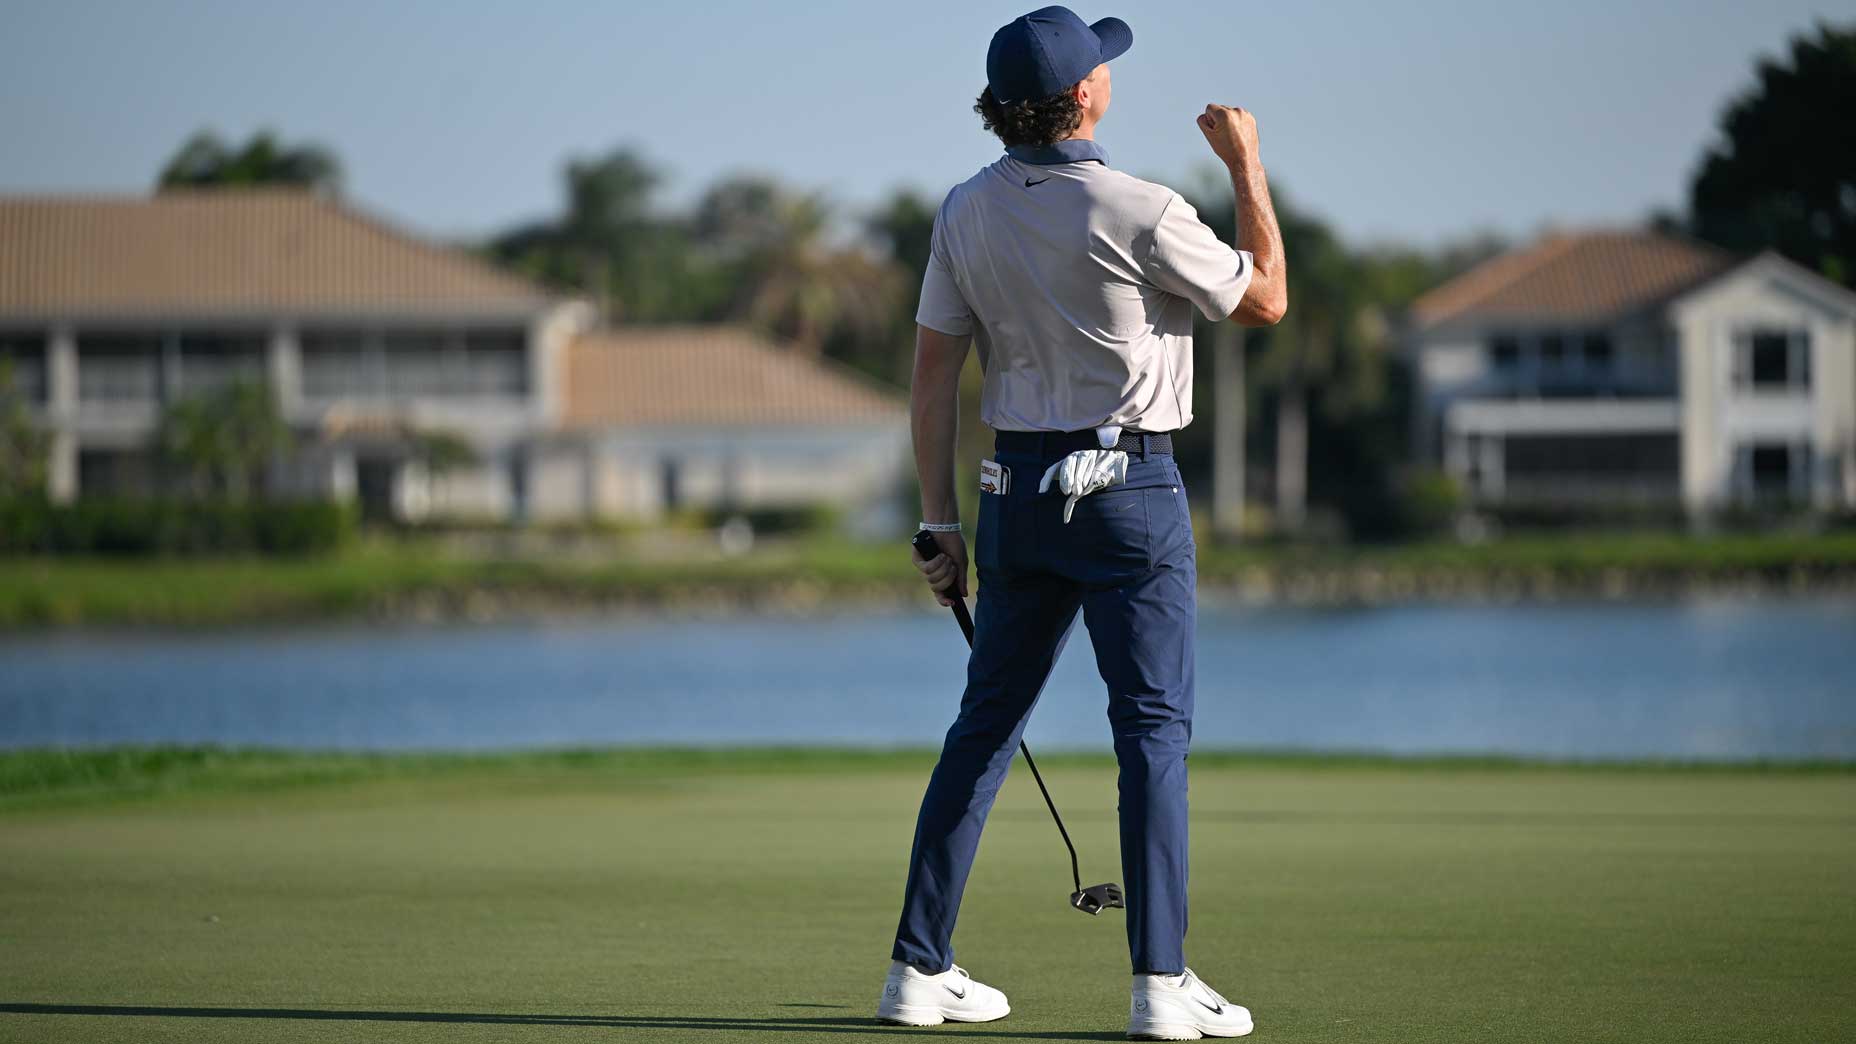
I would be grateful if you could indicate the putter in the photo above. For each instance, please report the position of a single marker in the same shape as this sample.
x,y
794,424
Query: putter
x,y
1096,898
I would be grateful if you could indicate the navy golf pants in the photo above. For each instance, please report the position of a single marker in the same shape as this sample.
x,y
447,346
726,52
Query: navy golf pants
x,y
1127,560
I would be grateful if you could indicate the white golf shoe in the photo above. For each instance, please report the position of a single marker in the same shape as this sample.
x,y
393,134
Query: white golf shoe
x,y
1182,1007
913,998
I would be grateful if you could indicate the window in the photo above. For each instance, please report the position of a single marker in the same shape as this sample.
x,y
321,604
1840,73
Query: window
x,y
22,364
1615,456
1505,351
496,363
1773,360
211,361
1597,351
416,363
335,364
119,368
1553,350
1772,472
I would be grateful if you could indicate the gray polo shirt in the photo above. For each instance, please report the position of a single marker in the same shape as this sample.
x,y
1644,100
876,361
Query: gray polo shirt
x,y
1077,283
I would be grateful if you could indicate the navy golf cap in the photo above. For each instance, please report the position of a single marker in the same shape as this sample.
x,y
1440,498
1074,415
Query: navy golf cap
x,y
1049,49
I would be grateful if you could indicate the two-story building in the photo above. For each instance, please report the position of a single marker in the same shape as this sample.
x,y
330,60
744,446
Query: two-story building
x,y
372,342
1608,368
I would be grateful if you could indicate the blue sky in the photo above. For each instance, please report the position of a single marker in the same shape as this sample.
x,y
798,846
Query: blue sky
x,y
1396,121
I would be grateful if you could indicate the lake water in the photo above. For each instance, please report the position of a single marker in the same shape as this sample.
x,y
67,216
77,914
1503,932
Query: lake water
x,y
1699,680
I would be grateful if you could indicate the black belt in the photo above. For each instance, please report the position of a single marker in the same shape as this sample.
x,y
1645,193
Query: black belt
x,y
1059,443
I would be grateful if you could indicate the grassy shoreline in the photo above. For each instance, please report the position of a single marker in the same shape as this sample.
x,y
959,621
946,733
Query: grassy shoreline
x,y
40,776
418,581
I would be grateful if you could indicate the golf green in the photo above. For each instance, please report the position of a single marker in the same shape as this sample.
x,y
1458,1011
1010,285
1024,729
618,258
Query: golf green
x,y
754,902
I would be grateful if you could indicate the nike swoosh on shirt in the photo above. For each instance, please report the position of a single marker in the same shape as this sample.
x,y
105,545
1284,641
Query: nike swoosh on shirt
x,y
1040,181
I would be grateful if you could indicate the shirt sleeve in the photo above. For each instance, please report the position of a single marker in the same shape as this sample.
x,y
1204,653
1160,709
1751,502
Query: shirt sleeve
x,y
942,306
1188,259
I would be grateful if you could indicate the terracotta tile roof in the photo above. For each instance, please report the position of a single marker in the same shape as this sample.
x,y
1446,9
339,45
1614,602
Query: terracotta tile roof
x,y
1587,276
713,375
231,252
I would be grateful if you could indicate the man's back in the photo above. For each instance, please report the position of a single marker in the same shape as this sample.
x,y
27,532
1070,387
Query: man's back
x,y
1077,283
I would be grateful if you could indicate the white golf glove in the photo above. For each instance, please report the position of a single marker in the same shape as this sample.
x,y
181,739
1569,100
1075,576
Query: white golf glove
x,y
1084,472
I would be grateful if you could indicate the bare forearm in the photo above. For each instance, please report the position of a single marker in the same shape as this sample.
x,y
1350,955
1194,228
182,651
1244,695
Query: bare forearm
x,y
934,419
1257,231
935,424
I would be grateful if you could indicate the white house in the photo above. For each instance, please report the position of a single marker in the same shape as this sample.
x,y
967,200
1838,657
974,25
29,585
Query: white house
x,y
667,417
1623,366
371,340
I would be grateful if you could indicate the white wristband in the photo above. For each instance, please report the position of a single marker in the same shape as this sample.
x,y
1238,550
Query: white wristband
x,y
941,527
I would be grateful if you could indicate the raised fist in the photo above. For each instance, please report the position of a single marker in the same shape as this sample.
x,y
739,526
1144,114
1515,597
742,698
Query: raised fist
x,y
1231,132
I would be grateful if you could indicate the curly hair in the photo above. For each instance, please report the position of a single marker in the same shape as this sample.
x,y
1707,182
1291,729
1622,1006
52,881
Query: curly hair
x,y
1041,121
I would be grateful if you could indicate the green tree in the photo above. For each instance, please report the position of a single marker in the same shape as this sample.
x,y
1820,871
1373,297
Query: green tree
x,y
219,442
207,160
1783,175
441,452
751,250
1326,387
24,447
788,277
1326,351
903,226
612,244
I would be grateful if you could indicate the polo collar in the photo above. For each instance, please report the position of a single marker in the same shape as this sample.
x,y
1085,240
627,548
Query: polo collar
x,y
1070,150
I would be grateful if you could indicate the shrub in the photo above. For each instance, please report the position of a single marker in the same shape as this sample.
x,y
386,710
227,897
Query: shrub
x,y
113,526
1430,501
797,518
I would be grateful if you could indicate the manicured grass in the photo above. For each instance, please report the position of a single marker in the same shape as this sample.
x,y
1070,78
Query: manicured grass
x,y
681,896
398,578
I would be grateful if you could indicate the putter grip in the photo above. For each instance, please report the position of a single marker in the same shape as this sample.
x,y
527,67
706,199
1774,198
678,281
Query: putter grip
x,y
927,548
925,545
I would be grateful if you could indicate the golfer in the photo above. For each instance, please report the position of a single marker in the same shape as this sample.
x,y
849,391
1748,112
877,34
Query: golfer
x,y
1078,283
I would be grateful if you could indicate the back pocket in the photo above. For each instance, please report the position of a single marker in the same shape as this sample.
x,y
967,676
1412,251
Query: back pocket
x,y
1108,535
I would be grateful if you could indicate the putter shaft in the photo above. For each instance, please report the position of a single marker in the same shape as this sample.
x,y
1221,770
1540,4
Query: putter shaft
x,y
925,546
1076,876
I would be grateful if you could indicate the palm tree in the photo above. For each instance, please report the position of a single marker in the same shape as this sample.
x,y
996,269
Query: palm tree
x,y
750,251
611,245
789,279
1306,347
1328,350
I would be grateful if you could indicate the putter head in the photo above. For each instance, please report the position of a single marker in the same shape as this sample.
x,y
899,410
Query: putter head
x,y
1097,898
